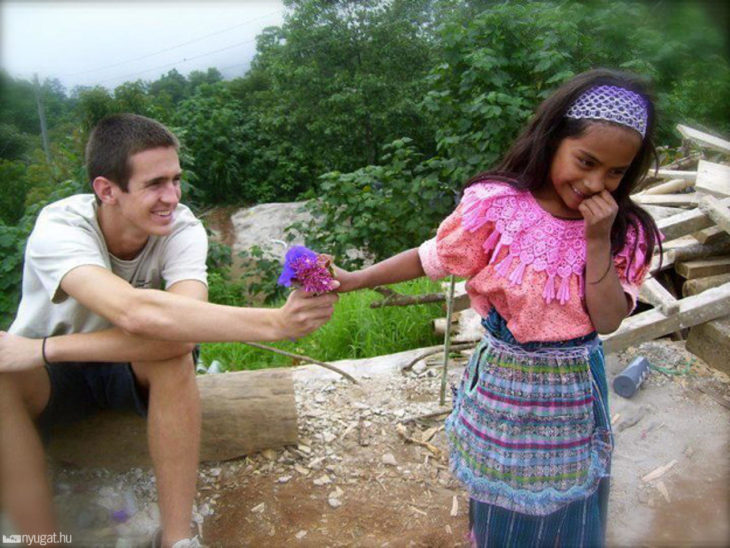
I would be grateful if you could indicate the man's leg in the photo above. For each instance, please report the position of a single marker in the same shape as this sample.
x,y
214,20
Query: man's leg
x,y
25,491
173,433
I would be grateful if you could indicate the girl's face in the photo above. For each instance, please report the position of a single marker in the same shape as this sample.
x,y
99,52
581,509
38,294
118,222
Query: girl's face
x,y
585,165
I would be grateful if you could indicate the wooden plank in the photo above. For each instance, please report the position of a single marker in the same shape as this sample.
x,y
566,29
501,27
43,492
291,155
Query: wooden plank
x,y
671,200
695,251
675,185
686,222
713,178
708,305
710,235
677,174
698,285
703,267
717,211
704,139
656,294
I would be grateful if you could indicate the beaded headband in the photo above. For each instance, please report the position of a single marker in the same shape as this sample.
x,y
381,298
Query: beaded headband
x,y
613,104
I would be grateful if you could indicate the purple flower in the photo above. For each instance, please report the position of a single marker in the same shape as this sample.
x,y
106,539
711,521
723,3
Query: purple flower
x,y
306,269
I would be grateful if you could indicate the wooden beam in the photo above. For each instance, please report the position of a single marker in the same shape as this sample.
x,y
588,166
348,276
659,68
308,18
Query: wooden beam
x,y
657,295
701,268
671,200
695,251
243,412
713,178
704,139
686,222
675,185
717,211
698,285
649,325
710,235
677,174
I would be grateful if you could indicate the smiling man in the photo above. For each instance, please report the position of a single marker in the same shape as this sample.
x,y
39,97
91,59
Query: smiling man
x,y
114,298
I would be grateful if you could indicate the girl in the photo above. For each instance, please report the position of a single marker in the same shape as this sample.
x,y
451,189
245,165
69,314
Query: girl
x,y
554,251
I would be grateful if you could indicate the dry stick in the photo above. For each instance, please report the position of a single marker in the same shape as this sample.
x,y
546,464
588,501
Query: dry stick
x,y
303,358
455,346
447,339
393,298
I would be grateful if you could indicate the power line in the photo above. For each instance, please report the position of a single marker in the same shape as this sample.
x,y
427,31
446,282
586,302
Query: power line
x,y
173,47
185,60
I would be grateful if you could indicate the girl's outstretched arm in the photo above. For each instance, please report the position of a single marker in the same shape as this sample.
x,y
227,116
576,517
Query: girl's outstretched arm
x,y
399,268
606,301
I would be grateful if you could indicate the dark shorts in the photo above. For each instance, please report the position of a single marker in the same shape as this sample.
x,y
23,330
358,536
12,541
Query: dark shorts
x,y
81,389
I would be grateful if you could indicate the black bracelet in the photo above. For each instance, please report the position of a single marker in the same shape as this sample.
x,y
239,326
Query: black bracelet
x,y
43,351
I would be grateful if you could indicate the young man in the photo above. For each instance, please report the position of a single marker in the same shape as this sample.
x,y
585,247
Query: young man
x,y
114,297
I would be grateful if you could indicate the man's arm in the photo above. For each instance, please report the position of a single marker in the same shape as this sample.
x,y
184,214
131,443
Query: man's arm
x,y
108,345
168,316
119,346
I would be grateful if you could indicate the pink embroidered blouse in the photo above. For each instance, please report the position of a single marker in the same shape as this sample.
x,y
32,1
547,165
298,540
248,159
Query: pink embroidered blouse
x,y
525,262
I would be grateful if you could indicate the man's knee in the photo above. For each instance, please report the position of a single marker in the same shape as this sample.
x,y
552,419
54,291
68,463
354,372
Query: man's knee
x,y
24,391
178,371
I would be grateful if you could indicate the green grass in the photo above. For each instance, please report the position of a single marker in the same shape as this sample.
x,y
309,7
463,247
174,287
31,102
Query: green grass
x,y
355,331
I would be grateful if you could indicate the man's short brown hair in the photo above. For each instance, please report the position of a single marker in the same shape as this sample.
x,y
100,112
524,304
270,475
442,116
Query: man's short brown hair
x,y
116,138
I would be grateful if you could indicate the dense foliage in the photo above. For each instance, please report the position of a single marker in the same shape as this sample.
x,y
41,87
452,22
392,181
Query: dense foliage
x,y
377,111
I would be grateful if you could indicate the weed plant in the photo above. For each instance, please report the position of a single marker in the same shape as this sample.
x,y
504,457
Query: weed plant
x,y
355,331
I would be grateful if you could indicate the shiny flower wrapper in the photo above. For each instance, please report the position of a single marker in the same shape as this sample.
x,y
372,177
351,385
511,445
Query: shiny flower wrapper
x,y
306,269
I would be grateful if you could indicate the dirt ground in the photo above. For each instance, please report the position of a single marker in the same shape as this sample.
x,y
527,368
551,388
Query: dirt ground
x,y
371,470
355,481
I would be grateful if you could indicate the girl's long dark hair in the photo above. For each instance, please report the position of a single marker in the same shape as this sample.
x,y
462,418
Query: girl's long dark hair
x,y
526,165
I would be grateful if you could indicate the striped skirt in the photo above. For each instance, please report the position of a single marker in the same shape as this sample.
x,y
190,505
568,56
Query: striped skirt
x,y
530,439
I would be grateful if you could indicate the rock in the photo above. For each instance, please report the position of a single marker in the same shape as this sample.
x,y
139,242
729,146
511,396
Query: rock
x,y
301,534
389,459
283,479
322,480
334,503
259,508
419,367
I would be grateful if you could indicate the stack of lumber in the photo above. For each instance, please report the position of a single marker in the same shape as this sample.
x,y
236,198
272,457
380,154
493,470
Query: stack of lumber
x,y
690,200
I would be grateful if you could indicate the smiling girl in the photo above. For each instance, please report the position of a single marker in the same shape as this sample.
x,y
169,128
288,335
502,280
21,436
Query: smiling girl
x,y
554,252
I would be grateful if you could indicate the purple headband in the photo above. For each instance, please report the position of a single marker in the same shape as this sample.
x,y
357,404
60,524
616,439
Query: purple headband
x,y
613,104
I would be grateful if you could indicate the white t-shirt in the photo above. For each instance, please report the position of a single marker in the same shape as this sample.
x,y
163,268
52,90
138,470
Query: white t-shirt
x,y
67,235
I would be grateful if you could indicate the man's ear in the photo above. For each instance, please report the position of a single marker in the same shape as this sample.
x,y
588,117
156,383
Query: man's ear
x,y
105,190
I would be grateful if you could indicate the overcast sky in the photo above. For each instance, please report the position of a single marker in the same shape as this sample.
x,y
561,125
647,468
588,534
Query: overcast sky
x,y
107,43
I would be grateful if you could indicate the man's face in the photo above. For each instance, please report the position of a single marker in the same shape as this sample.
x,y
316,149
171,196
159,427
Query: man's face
x,y
153,191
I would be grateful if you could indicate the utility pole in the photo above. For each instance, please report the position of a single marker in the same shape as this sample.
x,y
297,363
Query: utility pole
x,y
42,116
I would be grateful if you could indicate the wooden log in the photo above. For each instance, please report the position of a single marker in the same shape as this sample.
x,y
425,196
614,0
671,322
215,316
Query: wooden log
x,y
698,285
686,222
675,185
713,178
704,139
702,268
243,412
439,325
709,305
655,294
717,211
671,200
